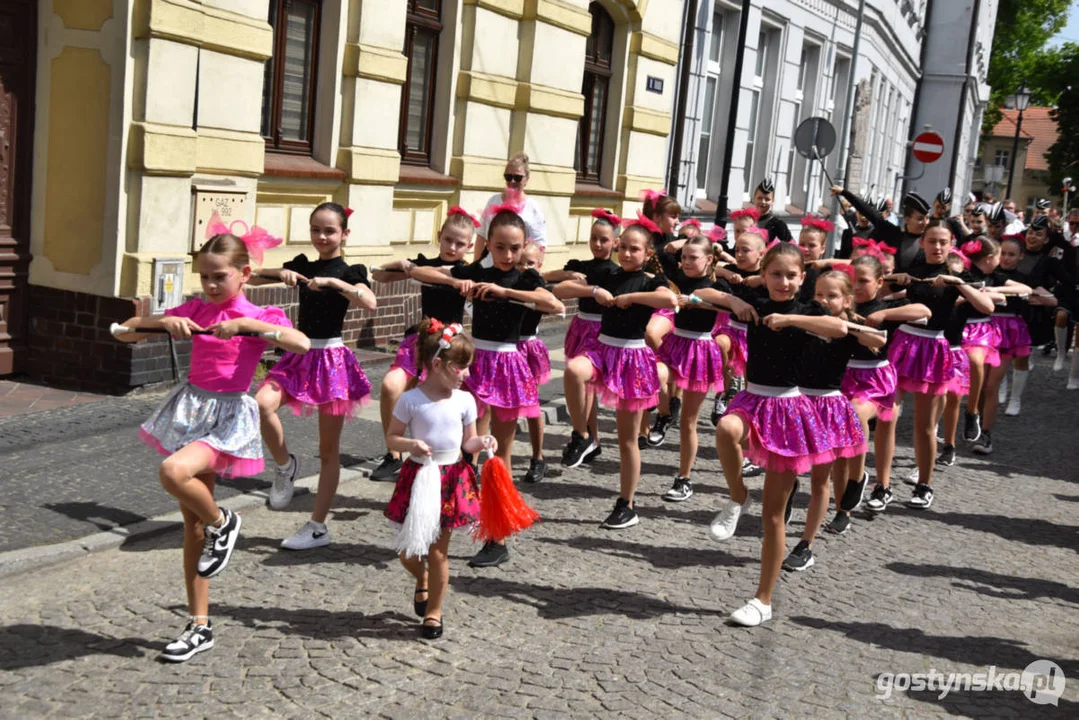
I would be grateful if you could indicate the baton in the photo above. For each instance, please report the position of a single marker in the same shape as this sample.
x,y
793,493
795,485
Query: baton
x,y
118,329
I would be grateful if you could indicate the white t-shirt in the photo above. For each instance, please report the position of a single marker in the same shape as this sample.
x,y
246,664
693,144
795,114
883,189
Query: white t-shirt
x,y
439,423
531,214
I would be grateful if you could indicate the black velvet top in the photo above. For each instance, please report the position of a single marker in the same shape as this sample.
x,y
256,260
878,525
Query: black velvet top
x,y
322,312
441,302
1015,304
498,320
595,271
777,229
629,323
825,363
775,357
865,310
940,301
691,318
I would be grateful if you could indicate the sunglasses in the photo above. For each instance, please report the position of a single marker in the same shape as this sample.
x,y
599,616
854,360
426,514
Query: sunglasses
x,y
513,177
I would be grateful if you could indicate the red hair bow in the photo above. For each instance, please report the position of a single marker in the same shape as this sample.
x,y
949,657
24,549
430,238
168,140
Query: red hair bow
x,y
885,248
970,247
653,195
864,242
819,223
458,210
435,326
694,222
847,270
605,214
717,234
770,245
643,222
750,212
348,213
255,238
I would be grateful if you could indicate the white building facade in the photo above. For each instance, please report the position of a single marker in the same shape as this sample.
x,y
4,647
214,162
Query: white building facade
x,y
799,57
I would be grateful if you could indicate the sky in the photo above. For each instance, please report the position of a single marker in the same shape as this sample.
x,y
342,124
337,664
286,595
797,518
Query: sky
x,y
1070,33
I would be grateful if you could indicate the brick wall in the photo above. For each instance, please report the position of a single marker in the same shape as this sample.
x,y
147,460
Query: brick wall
x,y
70,345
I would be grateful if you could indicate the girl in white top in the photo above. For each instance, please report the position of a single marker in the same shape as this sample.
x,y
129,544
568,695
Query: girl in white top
x,y
428,504
516,179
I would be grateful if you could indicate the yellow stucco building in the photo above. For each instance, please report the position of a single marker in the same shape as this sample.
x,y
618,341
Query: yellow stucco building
x,y
134,119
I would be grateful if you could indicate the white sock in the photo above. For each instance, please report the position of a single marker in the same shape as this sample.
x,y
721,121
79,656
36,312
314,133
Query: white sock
x,y
1019,381
287,466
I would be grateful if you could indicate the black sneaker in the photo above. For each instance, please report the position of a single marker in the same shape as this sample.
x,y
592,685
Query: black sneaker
x,y
537,470
658,433
387,469
839,525
790,503
590,456
749,469
984,445
1049,348
972,427
492,554
623,516
642,442
675,406
880,499
578,447
872,424
719,408
218,544
922,497
681,490
852,496
801,558
193,640
947,454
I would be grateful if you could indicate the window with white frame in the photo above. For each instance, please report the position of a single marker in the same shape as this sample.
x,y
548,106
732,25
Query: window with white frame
x,y
711,85
760,70
796,118
1001,158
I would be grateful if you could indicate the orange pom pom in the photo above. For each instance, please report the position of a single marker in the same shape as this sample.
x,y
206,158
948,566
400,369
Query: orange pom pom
x,y
503,512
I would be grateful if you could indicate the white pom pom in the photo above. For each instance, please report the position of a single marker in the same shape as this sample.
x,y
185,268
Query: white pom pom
x,y
422,524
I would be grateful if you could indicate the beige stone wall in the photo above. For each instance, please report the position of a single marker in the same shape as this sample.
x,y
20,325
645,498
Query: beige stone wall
x,y
509,80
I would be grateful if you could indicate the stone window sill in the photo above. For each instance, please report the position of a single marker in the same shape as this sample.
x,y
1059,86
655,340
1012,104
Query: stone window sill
x,y
422,175
588,189
299,166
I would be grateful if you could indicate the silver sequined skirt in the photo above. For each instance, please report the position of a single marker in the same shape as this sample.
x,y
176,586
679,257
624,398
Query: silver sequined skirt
x,y
227,423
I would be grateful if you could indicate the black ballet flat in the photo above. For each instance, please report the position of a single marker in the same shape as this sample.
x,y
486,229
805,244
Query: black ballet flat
x,y
420,606
431,632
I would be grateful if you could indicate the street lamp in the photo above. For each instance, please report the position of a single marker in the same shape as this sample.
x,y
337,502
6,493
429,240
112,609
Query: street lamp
x,y
1022,101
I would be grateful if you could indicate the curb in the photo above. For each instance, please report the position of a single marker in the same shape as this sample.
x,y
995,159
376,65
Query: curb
x,y
23,560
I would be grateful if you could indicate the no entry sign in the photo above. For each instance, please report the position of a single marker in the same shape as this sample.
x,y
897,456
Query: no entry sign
x,y
928,147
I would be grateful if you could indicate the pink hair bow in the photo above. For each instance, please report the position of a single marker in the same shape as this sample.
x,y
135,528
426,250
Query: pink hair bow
x,y
642,221
818,223
692,221
255,238
970,247
511,202
458,210
884,247
760,231
770,245
963,258
864,242
847,270
717,234
750,212
605,214
651,195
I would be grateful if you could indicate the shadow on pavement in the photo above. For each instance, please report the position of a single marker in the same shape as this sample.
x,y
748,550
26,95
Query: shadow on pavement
x,y
1030,531
995,585
103,516
554,603
659,556
999,703
23,646
324,624
272,554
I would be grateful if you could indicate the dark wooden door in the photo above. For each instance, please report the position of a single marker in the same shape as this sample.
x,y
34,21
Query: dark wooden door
x,y
18,49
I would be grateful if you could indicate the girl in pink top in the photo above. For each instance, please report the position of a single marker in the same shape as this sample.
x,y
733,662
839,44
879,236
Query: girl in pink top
x,y
209,425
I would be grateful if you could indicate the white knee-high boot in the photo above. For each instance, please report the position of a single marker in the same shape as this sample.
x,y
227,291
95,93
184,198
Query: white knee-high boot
x,y
1061,335
1019,382
1073,376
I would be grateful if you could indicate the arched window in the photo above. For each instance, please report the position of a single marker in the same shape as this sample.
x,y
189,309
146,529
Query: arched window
x,y
596,89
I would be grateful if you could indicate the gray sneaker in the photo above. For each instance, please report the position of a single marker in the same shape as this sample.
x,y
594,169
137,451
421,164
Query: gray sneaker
x,y
284,484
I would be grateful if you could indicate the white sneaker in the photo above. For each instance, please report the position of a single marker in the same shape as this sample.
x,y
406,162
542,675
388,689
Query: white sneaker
x,y
752,614
912,476
726,520
284,484
1073,384
311,535
1014,407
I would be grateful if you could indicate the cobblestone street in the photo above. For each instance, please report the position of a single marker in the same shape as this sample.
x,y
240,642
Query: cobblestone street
x,y
582,621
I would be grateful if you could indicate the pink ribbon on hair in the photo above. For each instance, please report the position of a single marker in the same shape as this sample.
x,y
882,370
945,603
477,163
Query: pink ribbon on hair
x,y
847,270
511,202
963,258
970,247
458,210
605,214
772,244
762,232
717,234
642,221
653,195
694,222
750,212
818,223
255,238
881,247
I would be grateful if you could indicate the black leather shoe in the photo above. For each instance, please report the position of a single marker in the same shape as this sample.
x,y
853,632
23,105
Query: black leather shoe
x,y
431,632
420,606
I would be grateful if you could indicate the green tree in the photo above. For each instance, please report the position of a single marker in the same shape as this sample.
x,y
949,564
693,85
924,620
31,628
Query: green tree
x,y
1063,155
1023,27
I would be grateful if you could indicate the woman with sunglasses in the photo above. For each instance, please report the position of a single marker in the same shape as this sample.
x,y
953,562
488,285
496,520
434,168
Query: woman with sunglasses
x,y
516,176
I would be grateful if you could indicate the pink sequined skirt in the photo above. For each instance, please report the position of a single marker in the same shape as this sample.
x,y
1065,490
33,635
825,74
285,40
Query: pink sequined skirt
x,y
722,320
581,335
500,378
624,378
323,380
840,434
538,357
736,331
872,384
922,364
984,336
697,362
406,357
960,384
779,430
460,494
1014,336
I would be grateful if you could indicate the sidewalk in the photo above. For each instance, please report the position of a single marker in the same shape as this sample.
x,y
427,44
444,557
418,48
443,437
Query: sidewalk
x,y
584,622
